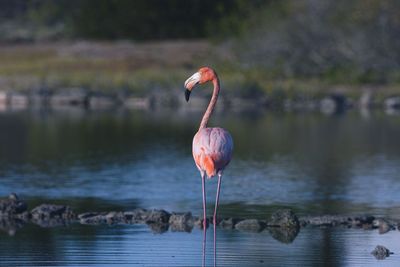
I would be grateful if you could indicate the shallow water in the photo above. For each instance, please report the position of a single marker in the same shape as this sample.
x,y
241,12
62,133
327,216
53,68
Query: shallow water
x,y
120,160
79,245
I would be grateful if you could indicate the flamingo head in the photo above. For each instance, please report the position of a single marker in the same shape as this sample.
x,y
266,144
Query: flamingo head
x,y
203,75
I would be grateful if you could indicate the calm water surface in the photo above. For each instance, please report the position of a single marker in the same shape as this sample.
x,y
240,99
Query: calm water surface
x,y
103,160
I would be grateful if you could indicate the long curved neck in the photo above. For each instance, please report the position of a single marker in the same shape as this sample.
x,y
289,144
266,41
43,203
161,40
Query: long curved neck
x,y
211,105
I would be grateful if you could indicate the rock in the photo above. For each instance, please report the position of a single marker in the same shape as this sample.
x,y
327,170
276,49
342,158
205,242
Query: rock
x,y
383,225
146,216
3,97
138,102
284,218
157,216
284,234
52,211
18,100
380,252
113,217
93,217
181,222
250,225
336,103
69,96
101,101
392,102
136,216
364,221
229,223
325,220
110,217
12,206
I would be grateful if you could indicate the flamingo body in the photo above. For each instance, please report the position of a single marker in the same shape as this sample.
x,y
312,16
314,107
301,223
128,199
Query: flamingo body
x,y
212,150
212,147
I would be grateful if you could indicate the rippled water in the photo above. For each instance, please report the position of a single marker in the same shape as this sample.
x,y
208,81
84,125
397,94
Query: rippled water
x,y
120,160
136,245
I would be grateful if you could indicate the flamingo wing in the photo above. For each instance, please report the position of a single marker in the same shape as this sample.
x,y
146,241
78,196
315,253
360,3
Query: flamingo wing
x,y
212,150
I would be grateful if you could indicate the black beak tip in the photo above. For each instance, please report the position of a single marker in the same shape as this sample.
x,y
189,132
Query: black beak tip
x,y
187,95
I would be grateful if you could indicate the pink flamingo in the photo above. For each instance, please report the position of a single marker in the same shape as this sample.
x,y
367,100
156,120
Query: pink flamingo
x,y
212,147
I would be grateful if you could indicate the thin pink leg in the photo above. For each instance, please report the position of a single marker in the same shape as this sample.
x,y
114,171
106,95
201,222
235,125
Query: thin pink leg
x,y
203,185
215,219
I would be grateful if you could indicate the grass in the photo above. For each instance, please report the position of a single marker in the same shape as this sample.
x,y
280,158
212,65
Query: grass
x,y
143,67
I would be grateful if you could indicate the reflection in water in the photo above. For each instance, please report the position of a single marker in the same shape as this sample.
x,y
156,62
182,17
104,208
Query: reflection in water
x,y
80,245
284,235
122,160
311,162
203,263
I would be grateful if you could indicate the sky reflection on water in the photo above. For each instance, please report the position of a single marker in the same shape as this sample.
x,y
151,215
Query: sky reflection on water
x,y
309,162
121,160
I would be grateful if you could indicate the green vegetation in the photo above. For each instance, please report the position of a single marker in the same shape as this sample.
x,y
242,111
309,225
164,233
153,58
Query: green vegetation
x,y
268,47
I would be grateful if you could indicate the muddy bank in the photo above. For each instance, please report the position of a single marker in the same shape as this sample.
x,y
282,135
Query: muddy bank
x,y
283,225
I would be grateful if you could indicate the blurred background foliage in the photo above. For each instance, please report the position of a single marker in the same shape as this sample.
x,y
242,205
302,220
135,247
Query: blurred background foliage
x,y
354,41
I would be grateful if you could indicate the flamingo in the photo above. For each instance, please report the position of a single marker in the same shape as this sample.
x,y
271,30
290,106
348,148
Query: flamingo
x,y
212,147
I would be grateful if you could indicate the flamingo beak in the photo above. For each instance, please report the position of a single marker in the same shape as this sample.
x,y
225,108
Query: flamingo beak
x,y
187,95
190,83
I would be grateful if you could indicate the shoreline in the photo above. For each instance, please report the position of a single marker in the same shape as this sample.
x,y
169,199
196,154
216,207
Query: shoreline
x,y
334,103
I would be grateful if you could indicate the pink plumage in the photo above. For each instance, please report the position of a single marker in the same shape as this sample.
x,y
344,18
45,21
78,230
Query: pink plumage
x,y
212,150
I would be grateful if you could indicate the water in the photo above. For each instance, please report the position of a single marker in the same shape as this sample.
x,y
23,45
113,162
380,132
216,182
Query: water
x,y
120,160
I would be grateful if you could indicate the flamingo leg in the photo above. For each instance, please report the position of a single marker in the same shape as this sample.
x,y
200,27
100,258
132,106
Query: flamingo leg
x,y
215,218
203,185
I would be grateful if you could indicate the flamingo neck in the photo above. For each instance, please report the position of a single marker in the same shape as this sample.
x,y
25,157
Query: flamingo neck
x,y
211,105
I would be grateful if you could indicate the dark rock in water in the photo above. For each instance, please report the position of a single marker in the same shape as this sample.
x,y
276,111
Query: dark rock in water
x,y
136,216
93,218
69,96
100,101
24,216
363,221
52,211
158,228
146,216
325,220
86,215
157,216
11,206
49,215
383,225
229,223
110,217
380,252
284,218
335,103
335,220
284,234
113,217
392,102
181,222
250,225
